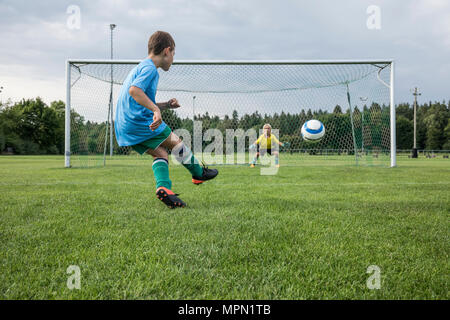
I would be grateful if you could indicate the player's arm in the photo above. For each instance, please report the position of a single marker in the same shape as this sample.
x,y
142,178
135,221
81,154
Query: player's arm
x,y
171,104
139,95
258,141
277,141
137,90
253,146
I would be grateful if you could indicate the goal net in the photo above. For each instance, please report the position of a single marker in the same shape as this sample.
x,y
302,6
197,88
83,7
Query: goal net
x,y
353,99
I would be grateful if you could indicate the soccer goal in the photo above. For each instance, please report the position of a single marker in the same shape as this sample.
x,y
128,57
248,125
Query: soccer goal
x,y
353,99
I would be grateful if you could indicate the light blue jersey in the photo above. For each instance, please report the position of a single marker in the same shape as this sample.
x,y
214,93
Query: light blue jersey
x,y
132,120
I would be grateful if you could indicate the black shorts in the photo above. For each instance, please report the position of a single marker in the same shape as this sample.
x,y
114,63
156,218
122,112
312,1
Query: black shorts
x,y
263,151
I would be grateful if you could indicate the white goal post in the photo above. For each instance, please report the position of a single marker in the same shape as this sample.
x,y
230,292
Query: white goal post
x,y
319,75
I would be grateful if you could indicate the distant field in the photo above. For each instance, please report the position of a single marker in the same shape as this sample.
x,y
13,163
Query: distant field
x,y
309,232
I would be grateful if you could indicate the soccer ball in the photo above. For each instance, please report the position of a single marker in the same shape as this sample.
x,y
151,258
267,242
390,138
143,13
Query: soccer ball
x,y
313,130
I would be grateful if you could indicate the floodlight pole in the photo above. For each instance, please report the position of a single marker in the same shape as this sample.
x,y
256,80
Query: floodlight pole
x,y
414,150
193,109
353,124
1,89
363,101
110,108
111,128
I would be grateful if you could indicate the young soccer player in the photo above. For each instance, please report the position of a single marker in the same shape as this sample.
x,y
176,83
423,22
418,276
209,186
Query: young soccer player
x,y
138,121
264,144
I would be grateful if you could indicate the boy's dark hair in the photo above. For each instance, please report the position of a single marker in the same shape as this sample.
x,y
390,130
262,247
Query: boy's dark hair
x,y
159,41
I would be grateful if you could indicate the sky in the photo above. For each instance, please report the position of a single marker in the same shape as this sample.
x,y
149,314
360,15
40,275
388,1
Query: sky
x,y
36,37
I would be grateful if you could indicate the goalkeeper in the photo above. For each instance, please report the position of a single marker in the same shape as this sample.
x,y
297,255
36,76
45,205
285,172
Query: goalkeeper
x,y
138,121
264,144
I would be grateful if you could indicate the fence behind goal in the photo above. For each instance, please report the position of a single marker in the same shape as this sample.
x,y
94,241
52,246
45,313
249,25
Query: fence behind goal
x,y
353,99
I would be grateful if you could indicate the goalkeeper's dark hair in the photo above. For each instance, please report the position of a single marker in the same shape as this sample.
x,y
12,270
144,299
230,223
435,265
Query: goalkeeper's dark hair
x,y
159,41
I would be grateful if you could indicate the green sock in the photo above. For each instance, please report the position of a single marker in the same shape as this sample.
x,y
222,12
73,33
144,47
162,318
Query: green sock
x,y
160,168
191,163
187,159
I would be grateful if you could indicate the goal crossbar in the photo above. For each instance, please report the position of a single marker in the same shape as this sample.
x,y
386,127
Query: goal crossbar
x,y
231,62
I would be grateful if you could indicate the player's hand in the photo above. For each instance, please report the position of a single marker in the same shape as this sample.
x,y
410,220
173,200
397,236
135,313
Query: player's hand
x,y
173,103
157,120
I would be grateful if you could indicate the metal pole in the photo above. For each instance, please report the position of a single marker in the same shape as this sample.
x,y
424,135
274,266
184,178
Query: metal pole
x,y
393,137
111,128
106,137
362,131
363,100
415,123
1,89
353,126
67,119
193,108
414,150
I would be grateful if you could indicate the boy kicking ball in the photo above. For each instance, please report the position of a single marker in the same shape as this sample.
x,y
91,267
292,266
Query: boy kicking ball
x,y
138,121
264,144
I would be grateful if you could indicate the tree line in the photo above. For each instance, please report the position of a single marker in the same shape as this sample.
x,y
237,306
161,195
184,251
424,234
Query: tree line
x,y
33,127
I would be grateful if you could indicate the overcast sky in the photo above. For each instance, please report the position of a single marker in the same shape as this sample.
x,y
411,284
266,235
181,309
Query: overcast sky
x,y
35,39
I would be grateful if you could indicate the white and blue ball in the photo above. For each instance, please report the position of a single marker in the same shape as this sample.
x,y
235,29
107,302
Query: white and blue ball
x,y
313,130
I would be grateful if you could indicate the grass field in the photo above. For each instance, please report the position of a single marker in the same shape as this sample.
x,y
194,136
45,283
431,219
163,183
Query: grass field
x,y
309,232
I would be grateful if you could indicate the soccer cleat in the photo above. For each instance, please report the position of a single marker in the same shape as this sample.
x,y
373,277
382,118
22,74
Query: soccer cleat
x,y
278,165
169,198
208,174
252,165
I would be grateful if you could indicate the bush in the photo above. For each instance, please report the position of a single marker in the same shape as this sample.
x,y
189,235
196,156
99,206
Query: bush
x,y
31,148
2,140
446,146
52,150
21,146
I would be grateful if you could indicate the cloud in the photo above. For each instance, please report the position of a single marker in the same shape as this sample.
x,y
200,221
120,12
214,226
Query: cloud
x,y
145,13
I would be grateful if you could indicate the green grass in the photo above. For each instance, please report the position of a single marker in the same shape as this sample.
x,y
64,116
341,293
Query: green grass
x,y
309,232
